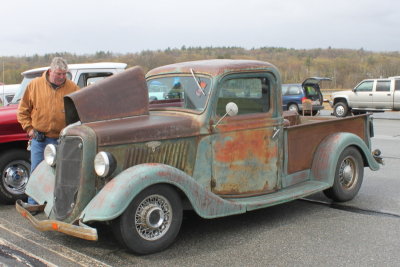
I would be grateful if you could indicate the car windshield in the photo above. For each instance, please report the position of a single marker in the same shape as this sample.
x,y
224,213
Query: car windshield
x,y
187,92
18,95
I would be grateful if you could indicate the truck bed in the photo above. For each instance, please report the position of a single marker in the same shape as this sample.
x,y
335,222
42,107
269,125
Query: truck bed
x,y
305,134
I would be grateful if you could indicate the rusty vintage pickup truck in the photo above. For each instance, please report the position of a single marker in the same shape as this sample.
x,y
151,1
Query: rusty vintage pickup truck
x,y
215,140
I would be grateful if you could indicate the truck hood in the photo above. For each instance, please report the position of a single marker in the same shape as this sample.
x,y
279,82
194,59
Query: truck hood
x,y
121,95
153,127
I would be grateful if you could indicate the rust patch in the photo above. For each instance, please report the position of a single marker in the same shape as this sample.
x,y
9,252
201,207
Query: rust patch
x,y
234,149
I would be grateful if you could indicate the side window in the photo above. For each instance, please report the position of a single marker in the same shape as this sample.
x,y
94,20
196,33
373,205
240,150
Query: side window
x,y
365,86
290,90
252,95
383,86
397,85
294,90
88,78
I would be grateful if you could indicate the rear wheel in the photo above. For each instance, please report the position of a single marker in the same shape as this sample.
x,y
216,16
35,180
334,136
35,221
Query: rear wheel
x,y
151,222
348,176
340,109
15,169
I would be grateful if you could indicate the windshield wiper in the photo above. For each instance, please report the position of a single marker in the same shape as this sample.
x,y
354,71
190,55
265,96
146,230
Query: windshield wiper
x,y
197,82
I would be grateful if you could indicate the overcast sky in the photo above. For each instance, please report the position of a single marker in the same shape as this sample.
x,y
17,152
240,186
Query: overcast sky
x,y
87,26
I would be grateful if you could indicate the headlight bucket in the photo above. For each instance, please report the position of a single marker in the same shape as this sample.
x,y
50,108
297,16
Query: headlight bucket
x,y
50,154
104,164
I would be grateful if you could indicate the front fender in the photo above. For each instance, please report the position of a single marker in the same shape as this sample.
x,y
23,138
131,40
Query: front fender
x,y
339,98
328,153
40,185
116,195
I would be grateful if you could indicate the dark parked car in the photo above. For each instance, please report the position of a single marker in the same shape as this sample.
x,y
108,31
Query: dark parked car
x,y
294,94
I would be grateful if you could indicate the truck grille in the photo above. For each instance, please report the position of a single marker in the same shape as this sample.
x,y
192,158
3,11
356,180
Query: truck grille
x,y
173,154
68,174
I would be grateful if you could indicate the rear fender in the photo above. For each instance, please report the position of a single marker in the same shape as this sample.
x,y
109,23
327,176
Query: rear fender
x,y
116,195
328,153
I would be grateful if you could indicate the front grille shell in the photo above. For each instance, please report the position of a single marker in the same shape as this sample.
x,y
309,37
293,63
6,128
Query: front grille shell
x,y
68,173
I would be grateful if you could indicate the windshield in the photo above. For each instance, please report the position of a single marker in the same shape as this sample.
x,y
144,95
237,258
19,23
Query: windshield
x,y
187,92
18,95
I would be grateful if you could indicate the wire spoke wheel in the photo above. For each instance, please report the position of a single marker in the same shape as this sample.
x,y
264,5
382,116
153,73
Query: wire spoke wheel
x,y
153,217
152,220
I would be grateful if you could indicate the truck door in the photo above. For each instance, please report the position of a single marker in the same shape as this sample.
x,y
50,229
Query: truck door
x,y
362,96
383,95
245,147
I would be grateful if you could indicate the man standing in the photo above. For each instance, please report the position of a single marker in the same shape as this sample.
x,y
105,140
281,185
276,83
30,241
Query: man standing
x,y
41,109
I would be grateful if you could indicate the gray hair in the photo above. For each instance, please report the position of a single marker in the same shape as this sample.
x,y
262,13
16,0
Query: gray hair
x,y
58,63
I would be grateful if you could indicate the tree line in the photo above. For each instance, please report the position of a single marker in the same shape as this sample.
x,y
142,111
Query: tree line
x,y
346,67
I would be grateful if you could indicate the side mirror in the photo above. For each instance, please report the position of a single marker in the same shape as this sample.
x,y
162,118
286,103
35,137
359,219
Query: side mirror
x,y
231,109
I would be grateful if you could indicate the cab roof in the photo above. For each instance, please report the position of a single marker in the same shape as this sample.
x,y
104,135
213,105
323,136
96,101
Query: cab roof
x,y
213,67
99,65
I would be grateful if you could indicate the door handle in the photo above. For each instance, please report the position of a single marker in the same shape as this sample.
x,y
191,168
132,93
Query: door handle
x,y
370,94
276,131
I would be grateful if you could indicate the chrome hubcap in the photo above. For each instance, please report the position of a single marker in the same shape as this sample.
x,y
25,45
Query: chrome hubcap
x,y
15,176
348,174
339,110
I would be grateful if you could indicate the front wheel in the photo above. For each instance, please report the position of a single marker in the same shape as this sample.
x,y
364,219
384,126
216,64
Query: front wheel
x,y
152,220
340,109
15,169
348,176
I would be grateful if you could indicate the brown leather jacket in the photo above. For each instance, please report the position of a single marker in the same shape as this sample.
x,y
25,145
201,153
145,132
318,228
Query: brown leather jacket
x,y
42,107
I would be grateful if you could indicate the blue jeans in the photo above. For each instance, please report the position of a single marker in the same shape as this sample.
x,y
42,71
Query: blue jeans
x,y
37,155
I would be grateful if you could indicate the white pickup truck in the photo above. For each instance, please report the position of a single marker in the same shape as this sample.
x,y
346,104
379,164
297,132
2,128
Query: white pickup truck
x,y
370,95
7,93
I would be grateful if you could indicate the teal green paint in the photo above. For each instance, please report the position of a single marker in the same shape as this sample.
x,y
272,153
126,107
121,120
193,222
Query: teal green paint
x,y
115,196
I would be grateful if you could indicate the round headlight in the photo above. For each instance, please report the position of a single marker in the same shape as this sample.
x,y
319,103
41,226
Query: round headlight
x,y
104,164
50,153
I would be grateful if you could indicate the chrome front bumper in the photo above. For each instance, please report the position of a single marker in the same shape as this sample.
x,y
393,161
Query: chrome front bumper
x,y
79,230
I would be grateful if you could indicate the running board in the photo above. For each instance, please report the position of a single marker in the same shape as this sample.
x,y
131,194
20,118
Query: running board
x,y
284,195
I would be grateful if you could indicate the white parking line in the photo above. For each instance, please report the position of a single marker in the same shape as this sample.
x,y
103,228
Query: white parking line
x,y
60,250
